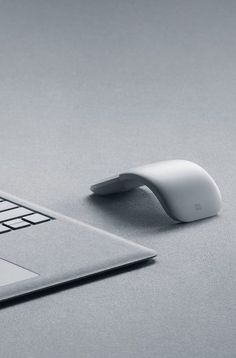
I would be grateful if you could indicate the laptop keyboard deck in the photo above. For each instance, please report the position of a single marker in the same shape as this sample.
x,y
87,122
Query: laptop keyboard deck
x,y
14,216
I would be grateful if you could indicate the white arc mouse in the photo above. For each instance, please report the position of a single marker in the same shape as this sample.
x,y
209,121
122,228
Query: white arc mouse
x,y
185,190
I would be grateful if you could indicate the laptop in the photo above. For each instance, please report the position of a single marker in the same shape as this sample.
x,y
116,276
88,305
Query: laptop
x,y
40,248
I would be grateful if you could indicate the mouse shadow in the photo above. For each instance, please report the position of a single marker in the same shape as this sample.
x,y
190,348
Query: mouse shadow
x,y
135,208
138,208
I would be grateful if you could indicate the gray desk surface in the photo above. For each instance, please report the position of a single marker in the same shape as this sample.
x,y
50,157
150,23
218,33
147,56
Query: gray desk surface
x,y
88,88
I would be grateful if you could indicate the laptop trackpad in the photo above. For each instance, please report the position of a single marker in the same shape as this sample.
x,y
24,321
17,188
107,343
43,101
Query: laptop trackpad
x,y
11,273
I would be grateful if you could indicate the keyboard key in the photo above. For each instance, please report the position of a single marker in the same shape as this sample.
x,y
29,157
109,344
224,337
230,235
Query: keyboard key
x,y
13,216
4,229
36,218
16,224
14,213
6,205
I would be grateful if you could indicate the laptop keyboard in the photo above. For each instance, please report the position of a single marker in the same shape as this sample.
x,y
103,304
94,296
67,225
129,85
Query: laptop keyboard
x,y
14,216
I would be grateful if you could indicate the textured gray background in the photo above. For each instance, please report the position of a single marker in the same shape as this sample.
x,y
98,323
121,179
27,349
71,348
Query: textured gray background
x,y
89,88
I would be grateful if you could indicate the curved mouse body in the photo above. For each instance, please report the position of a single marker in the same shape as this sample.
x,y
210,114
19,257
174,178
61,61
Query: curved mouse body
x,y
186,191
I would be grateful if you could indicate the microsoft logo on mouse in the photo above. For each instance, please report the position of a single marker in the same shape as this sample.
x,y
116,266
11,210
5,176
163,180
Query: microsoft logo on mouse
x,y
198,206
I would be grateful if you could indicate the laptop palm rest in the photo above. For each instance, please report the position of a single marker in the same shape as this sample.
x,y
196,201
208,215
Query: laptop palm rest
x,y
58,251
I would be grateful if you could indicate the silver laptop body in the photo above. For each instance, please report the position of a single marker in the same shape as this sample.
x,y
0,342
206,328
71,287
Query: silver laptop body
x,y
40,248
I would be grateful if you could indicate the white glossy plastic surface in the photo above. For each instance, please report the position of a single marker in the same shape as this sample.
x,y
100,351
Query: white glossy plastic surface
x,y
186,191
